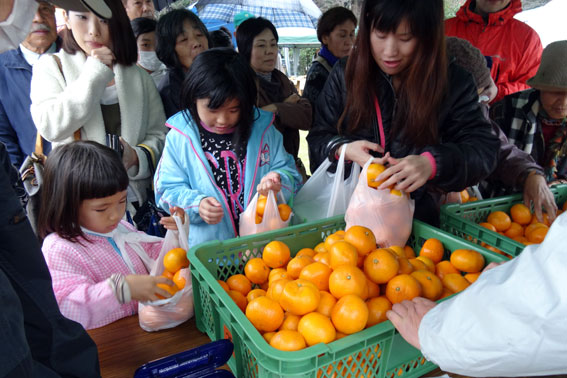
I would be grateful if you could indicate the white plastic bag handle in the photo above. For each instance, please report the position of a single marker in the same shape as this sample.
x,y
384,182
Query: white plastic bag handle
x,y
339,178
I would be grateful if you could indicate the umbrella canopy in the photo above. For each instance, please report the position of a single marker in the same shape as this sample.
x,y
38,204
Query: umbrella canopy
x,y
282,13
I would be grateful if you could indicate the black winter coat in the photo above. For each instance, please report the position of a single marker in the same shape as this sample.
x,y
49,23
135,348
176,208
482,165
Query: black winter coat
x,y
467,151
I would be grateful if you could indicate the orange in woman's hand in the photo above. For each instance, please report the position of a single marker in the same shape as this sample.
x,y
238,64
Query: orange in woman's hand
x,y
374,170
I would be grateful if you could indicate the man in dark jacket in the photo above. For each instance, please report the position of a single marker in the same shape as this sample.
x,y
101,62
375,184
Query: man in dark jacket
x,y
514,47
17,130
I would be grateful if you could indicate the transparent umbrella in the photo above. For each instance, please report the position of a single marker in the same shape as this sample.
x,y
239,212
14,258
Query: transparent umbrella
x,y
282,13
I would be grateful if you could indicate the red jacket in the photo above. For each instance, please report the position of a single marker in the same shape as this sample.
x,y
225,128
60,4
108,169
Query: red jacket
x,y
515,47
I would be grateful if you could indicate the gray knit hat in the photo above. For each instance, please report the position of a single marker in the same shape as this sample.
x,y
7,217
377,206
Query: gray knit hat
x,y
470,58
552,72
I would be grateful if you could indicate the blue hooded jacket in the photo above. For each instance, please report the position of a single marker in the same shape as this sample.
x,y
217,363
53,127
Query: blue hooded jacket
x,y
184,177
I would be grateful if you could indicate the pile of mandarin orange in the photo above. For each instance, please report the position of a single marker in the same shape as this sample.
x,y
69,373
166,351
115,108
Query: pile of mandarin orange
x,y
341,286
520,225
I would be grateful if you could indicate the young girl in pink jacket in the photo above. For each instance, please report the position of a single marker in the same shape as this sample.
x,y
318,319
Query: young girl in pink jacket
x,y
98,262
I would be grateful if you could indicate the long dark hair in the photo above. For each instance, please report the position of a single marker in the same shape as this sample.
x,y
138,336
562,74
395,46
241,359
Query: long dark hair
x,y
169,26
75,172
221,74
423,84
124,44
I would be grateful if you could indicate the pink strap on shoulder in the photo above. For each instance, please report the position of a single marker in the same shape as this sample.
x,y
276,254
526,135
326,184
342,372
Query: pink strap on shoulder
x,y
380,124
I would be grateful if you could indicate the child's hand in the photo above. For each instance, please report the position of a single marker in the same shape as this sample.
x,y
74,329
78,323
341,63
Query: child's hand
x,y
211,210
144,288
271,181
169,222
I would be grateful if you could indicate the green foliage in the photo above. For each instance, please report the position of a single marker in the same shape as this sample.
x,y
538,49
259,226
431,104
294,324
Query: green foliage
x,y
306,56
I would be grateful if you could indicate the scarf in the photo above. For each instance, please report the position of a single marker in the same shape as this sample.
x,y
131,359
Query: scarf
x,y
121,236
272,89
328,55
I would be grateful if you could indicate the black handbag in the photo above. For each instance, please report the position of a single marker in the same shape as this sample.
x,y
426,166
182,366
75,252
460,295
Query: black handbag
x,y
148,214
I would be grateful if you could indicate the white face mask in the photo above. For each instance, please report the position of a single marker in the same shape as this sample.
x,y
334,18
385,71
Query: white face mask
x,y
149,60
18,24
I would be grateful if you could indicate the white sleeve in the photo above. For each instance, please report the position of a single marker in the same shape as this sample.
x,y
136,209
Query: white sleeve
x,y
59,108
512,321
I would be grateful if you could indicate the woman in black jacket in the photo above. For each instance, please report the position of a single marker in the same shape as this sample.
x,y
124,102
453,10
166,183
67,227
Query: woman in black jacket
x,y
399,98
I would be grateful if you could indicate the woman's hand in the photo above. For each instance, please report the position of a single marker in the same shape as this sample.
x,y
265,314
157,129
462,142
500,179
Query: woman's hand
x,y
406,316
271,181
144,288
406,174
270,108
537,192
211,210
359,151
169,222
129,155
104,55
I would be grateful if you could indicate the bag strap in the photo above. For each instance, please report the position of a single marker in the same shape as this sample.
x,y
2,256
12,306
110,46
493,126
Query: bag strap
x,y
292,180
77,133
38,144
151,161
324,63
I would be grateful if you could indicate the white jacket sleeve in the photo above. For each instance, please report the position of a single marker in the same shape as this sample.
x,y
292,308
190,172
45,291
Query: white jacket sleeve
x,y
60,106
512,321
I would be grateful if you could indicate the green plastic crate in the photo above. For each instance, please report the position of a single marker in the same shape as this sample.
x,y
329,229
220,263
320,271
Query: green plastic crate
x,y
463,219
374,352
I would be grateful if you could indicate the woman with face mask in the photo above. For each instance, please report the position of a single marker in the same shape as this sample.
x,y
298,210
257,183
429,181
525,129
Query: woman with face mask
x,y
94,88
145,34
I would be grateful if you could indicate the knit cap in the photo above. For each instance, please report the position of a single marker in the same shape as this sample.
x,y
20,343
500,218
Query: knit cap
x,y
240,17
470,58
552,72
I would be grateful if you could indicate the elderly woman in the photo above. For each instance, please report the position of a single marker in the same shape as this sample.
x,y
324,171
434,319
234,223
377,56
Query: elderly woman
x,y
257,41
516,170
335,31
181,36
535,119
93,88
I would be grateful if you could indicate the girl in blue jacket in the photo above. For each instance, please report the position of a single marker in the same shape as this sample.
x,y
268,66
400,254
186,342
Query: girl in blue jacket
x,y
221,149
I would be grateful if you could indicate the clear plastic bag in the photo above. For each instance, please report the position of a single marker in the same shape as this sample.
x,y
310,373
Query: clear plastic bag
x,y
389,216
169,312
326,194
271,219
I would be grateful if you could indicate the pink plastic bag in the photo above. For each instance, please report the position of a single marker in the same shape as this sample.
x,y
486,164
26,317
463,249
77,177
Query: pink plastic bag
x,y
389,216
270,221
169,312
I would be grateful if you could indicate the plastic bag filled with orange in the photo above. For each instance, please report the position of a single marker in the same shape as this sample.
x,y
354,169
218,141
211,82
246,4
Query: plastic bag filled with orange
x,y
172,263
265,214
389,214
